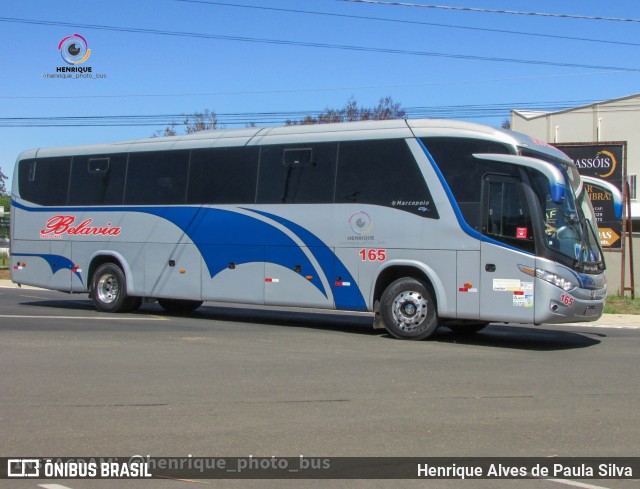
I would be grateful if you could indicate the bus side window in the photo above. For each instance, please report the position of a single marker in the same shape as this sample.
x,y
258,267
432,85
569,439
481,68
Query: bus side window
x,y
45,181
97,180
295,174
506,212
223,176
463,172
383,172
157,178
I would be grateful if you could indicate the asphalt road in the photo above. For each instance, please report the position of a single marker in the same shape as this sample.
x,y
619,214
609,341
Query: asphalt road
x,y
228,382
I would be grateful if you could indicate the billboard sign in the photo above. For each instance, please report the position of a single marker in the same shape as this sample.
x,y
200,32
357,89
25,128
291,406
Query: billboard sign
x,y
605,161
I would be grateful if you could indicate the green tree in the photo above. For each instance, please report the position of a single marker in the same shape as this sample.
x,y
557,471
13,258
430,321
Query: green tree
x,y
170,130
5,202
201,121
198,121
3,185
386,108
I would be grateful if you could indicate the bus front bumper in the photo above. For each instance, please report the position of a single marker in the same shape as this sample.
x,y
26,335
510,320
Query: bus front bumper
x,y
553,305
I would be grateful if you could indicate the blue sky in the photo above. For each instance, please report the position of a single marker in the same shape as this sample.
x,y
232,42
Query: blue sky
x,y
152,74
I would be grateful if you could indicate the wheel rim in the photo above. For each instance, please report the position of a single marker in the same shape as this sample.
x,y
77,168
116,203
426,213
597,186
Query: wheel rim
x,y
108,289
410,310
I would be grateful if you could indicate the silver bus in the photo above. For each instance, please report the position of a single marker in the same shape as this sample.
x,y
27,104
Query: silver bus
x,y
421,222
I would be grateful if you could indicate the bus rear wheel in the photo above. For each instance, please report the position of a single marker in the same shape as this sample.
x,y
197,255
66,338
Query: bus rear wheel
x,y
109,290
408,310
179,305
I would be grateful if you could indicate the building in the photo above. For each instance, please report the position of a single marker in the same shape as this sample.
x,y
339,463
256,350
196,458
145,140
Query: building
x,y
610,120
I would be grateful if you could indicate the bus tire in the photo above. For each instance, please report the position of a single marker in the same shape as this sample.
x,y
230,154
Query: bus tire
x,y
408,310
109,290
179,305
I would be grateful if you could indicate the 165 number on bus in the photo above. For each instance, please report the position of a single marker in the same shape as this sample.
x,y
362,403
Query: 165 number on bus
x,y
373,254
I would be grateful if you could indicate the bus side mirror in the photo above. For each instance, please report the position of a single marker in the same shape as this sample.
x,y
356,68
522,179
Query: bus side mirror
x,y
609,187
557,192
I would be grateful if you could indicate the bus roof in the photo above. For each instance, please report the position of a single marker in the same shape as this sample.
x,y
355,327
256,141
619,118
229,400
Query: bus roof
x,y
395,128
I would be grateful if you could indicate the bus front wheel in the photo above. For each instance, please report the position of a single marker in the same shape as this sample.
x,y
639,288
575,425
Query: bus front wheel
x,y
109,290
408,310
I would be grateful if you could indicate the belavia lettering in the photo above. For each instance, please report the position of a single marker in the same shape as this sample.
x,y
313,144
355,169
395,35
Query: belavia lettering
x,y
57,226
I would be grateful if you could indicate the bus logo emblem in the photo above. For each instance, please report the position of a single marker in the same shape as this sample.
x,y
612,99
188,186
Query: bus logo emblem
x,y
361,223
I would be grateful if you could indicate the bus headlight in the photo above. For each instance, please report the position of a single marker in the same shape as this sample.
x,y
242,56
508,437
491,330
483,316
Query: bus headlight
x,y
552,278
556,280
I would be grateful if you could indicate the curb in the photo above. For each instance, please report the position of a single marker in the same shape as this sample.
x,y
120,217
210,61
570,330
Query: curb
x,y
8,284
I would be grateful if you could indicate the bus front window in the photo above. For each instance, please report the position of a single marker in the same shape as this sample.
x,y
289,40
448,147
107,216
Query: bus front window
x,y
591,257
569,226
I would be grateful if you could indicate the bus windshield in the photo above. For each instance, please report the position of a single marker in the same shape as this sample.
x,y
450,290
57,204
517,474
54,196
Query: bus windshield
x,y
570,226
591,258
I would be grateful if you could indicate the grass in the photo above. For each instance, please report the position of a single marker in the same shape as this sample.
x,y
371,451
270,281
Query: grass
x,y
4,266
622,305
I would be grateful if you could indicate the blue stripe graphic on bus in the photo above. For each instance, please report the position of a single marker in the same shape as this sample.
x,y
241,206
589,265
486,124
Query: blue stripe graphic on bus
x,y
224,236
56,262
345,297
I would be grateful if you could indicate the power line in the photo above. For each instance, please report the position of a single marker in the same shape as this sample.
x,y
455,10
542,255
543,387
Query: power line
x,y
414,22
467,57
492,11
304,90
466,111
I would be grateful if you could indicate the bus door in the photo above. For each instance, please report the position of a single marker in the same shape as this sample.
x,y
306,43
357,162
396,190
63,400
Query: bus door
x,y
506,293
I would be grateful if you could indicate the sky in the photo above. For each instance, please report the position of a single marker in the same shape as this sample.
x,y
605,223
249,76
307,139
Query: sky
x,y
253,61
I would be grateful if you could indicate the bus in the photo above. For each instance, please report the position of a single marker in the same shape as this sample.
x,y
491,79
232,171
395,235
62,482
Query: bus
x,y
420,223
